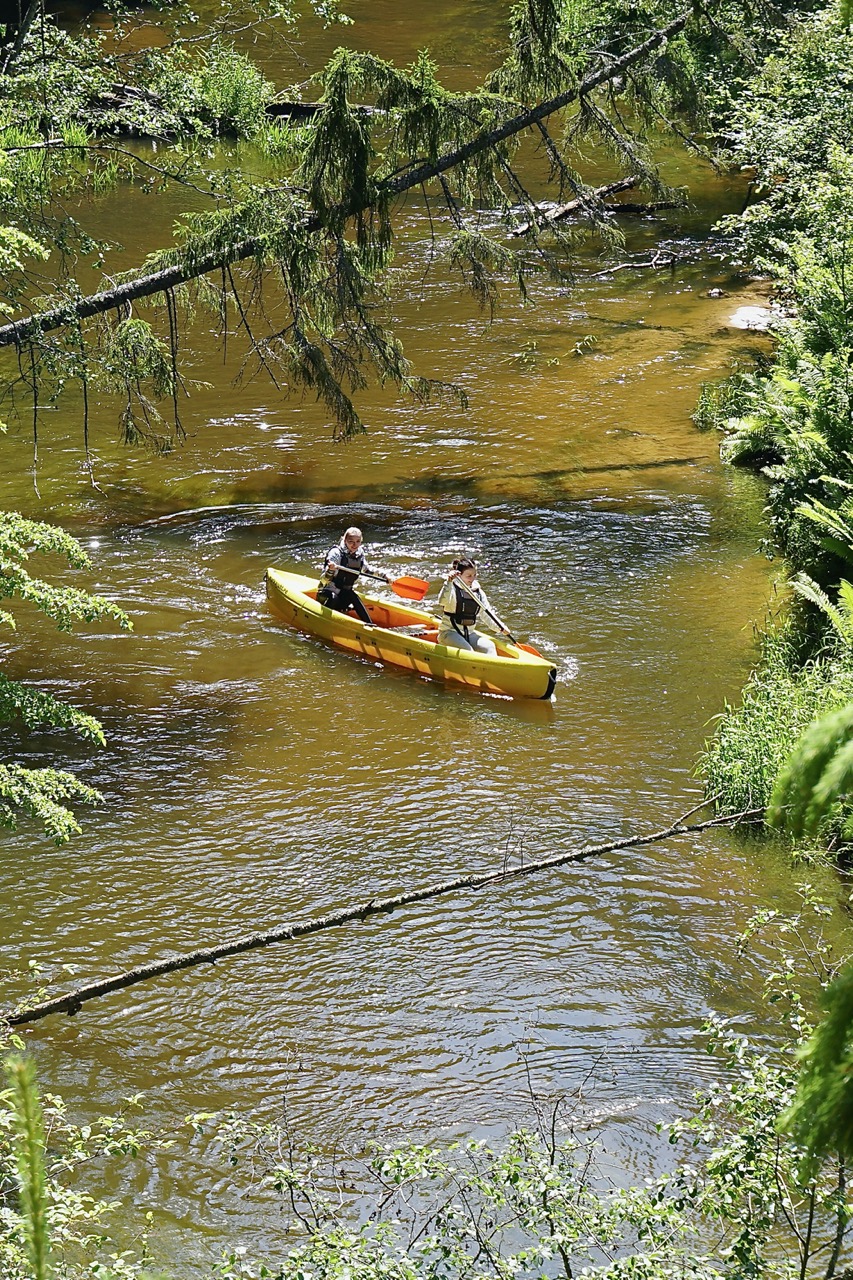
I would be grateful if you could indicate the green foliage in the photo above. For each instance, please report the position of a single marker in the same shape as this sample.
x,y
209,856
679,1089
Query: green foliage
x,y
752,743
43,1200
21,538
234,92
840,614
821,1115
44,794
740,1201
795,128
138,364
34,708
794,421
787,124
720,401
834,524
817,775
327,182
16,247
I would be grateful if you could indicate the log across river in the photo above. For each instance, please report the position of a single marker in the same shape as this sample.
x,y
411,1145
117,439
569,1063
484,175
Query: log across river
x,y
253,776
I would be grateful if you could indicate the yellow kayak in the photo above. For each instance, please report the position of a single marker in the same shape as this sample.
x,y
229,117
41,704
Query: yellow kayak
x,y
408,638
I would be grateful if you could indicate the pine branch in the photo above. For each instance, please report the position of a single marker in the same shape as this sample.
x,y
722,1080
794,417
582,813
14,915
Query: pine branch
x,y
22,331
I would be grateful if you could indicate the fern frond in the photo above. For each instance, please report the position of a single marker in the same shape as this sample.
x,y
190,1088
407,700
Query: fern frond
x,y
792,804
839,528
811,591
845,602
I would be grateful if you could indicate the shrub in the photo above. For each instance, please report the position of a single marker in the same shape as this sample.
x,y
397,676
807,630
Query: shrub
x,y
234,92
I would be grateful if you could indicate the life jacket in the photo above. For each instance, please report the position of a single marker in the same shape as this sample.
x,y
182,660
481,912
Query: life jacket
x,y
349,560
467,609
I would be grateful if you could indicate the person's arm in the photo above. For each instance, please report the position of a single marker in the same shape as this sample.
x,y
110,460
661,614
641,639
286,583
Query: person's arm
x,y
446,602
333,559
377,573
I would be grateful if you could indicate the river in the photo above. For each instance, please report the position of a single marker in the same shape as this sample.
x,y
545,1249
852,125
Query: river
x,y
253,776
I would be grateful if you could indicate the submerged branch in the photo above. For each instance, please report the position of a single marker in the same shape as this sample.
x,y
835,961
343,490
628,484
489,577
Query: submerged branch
x,y
19,332
74,1000
548,213
663,258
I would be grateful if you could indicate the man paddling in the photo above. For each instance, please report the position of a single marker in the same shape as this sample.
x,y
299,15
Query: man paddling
x,y
341,571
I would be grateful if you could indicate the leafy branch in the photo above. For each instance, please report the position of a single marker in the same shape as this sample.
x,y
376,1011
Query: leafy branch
x,y
45,794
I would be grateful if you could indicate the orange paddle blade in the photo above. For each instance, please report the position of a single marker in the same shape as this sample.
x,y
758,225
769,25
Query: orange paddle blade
x,y
409,588
528,648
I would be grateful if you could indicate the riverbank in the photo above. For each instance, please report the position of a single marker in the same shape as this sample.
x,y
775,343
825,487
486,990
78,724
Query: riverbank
x,y
792,417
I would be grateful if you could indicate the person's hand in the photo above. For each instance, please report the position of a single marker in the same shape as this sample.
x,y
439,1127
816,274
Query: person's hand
x,y
454,573
386,577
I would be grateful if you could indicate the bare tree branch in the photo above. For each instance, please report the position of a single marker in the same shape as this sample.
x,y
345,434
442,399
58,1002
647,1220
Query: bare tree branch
x,y
546,214
74,1000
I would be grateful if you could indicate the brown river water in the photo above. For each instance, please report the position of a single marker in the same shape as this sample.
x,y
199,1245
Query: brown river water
x,y
253,776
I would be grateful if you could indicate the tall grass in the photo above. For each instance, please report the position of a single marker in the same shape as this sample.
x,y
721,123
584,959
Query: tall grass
x,y
752,742
28,1127
720,401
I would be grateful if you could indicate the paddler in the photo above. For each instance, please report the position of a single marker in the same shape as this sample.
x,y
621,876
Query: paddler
x,y
341,571
462,610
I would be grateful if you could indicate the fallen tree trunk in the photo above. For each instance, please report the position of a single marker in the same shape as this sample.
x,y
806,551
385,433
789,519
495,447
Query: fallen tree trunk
x,y
651,206
19,332
74,1000
117,105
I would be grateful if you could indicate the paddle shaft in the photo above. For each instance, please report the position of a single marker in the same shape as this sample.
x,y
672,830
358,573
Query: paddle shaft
x,y
494,617
364,573
528,648
407,587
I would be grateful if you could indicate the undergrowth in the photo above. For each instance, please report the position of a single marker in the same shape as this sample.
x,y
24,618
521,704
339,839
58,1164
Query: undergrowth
x,y
752,742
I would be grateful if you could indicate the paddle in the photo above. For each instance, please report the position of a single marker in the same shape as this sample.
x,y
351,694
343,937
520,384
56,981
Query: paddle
x,y
528,648
407,587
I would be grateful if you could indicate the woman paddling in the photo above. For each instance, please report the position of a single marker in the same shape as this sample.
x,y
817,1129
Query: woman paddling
x,y
341,571
463,610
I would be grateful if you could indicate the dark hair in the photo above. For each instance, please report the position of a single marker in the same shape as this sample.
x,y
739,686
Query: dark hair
x,y
463,563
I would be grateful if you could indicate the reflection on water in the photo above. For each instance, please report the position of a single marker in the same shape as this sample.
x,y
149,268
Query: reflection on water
x,y
253,775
